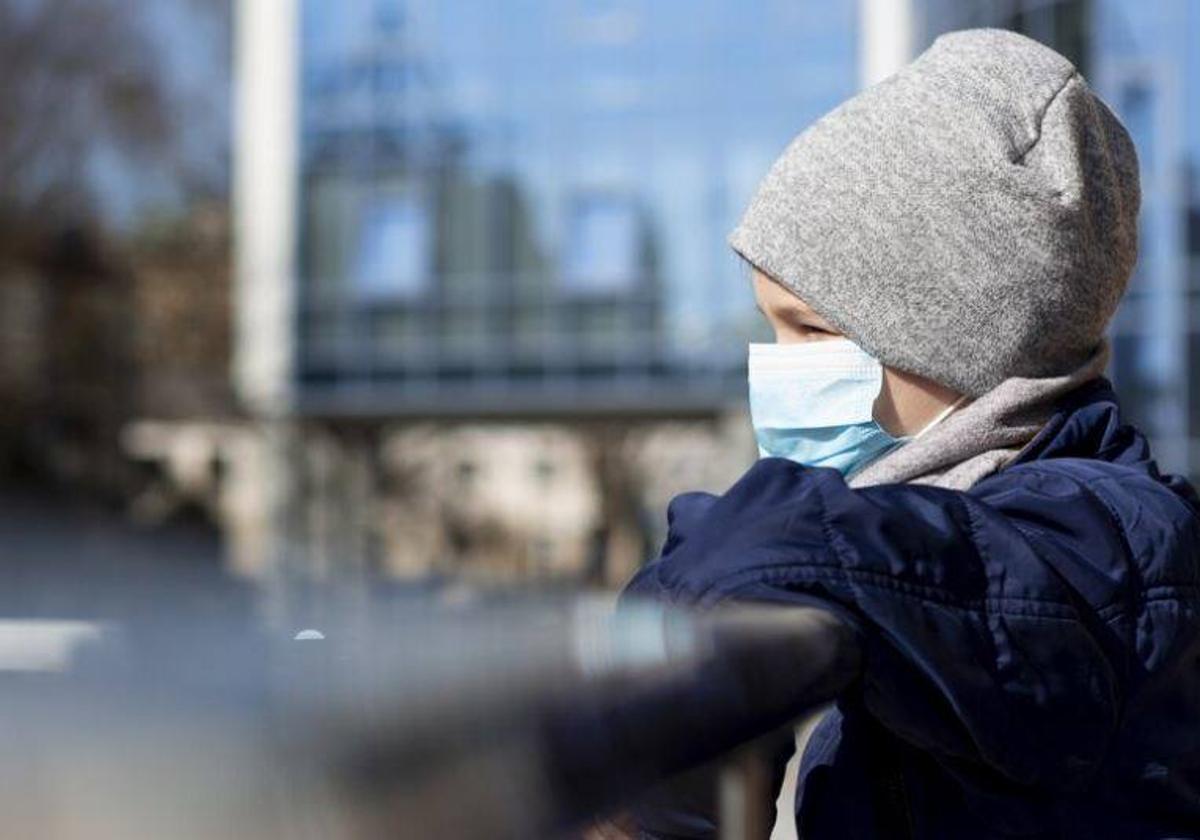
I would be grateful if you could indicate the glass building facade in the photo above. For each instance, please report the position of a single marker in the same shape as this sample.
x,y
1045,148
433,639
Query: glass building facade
x,y
522,206
1148,67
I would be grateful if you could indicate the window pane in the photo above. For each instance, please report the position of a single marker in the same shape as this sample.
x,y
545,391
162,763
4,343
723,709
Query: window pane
x,y
393,248
602,245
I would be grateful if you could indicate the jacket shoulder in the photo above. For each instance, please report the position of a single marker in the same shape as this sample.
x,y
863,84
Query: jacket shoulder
x,y
1156,517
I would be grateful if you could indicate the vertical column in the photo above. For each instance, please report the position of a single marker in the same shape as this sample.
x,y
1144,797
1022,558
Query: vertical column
x,y
887,38
265,161
265,169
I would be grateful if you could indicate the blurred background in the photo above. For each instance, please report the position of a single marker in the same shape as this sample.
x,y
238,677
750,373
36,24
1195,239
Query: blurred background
x,y
303,294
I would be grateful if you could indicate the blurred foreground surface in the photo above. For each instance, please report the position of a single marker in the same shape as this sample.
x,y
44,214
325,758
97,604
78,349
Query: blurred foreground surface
x,y
409,718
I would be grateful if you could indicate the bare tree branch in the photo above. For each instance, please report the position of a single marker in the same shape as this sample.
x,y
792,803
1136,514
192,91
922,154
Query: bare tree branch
x,y
83,77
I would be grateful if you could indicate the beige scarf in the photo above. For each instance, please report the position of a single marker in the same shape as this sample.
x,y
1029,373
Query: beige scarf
x,y
983,436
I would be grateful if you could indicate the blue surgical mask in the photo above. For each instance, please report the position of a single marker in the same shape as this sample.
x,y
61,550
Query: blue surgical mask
x,y
812,402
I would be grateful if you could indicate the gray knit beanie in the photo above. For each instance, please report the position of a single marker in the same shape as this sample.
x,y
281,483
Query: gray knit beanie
x,y
970,218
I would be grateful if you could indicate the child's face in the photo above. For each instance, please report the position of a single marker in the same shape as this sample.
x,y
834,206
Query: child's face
x,y
906,402
791,318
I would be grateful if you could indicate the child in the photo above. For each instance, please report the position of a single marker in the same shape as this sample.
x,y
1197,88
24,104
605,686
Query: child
x,y
946,467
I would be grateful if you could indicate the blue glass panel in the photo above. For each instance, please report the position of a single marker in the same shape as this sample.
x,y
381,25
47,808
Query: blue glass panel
x,y
601,252
392,260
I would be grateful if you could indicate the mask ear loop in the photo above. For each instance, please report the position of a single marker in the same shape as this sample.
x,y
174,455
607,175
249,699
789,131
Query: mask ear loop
x,y
943,415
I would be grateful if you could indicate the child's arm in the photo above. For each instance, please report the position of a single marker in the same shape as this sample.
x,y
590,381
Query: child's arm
x,y
999,624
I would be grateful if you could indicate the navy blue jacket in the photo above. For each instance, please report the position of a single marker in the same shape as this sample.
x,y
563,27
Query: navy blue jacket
x,y
1031,646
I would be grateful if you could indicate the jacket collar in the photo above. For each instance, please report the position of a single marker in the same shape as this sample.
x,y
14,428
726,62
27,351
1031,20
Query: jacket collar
x,y
1087,423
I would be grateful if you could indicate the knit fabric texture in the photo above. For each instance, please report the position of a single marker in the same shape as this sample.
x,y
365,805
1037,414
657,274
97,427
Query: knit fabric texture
x,y
970,218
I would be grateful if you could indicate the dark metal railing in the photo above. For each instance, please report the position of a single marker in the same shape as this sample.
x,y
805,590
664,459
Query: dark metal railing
x,y
522,719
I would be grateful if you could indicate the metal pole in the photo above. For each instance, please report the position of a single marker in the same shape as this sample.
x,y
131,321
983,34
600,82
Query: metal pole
x,y
265,166
745,796
887,39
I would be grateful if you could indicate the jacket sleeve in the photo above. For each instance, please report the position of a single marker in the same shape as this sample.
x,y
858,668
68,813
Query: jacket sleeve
x,y
984,614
